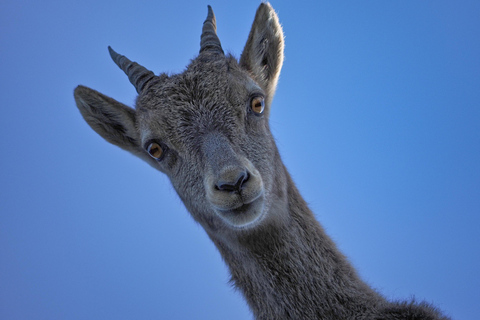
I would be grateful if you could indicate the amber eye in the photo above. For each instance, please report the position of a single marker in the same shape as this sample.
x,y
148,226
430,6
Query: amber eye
x,y
155,150
258,105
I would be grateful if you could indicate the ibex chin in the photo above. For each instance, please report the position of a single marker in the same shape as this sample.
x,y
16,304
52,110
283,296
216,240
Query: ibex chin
x,y
207,129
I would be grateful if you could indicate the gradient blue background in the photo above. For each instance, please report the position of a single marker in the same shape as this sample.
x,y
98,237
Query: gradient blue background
x,y
377,116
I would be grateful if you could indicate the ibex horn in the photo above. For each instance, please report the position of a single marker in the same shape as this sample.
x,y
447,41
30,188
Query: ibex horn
x,y
139,76
209,40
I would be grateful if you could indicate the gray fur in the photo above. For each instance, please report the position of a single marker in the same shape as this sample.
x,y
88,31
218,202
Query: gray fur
x,y
223,162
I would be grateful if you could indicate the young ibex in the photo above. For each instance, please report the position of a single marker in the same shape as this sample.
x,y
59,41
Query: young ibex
x,y
207,129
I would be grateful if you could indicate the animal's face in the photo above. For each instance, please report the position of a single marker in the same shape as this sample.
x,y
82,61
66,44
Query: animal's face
x,y
206,128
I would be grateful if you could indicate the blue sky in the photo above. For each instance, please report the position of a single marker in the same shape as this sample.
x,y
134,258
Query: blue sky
x,y
377,117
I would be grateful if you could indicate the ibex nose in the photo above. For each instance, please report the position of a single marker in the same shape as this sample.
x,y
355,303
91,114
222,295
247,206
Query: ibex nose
x,y
231,182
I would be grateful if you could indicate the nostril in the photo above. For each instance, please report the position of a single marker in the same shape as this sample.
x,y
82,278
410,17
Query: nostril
x,y
236,185
241,181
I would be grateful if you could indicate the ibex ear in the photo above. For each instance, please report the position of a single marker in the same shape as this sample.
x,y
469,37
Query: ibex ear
x,y
262,56
112,120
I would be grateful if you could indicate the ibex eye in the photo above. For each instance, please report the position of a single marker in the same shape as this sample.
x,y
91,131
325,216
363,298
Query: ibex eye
x,y
155,150
258,105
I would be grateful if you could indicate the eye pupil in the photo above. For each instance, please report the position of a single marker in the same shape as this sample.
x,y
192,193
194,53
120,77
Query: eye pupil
x,y
155,150
258,105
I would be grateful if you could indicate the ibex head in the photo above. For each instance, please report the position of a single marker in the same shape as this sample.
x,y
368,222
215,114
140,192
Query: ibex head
x,y
206,128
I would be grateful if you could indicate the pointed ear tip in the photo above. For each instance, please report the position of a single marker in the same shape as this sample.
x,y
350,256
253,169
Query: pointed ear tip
x,y
79,90
79,94
265,5
266,12
82,89
82,94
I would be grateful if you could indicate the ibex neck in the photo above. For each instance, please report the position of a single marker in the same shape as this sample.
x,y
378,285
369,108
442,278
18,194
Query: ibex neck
x,y
293,270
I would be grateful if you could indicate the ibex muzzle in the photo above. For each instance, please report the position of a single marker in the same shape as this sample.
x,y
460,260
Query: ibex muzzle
x,y
233,185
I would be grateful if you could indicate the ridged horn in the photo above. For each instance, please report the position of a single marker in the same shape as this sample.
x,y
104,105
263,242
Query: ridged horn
x,y
209,40
139,76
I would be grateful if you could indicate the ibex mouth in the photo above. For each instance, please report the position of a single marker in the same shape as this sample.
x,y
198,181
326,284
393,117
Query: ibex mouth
x,y
244,216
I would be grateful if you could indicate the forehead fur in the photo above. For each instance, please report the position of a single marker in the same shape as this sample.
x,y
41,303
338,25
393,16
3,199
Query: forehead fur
x,y
209,95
